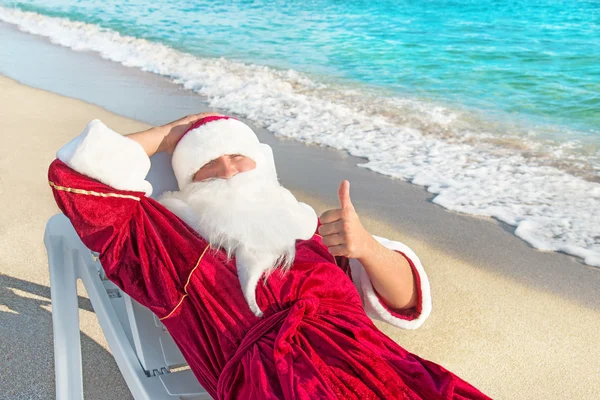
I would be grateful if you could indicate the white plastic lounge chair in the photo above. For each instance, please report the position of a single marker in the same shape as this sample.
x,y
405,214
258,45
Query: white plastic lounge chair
x,y
143,349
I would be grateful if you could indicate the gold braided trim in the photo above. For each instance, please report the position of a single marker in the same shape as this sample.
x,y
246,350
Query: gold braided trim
x,y
92,193
198,263
186,284
176,307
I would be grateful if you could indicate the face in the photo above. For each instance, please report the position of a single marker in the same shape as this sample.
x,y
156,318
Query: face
x,y
224,167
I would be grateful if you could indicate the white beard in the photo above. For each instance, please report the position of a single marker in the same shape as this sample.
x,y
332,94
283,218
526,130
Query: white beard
x,y
250,216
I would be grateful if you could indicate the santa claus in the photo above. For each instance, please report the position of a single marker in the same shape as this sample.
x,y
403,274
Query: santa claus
x,y
264,299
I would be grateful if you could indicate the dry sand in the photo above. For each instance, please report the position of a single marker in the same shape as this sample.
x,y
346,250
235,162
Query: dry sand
x,y
508,339
33,125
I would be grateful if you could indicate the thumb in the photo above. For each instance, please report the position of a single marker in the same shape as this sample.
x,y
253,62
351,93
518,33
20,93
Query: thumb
x,y
344,196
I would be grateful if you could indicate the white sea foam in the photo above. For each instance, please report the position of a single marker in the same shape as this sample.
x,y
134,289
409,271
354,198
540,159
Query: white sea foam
x,y
471,167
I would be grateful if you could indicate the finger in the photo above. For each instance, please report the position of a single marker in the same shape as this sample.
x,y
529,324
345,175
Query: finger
x,y
331,228
333,240
196,117
339,250
208,114
330,216
344,196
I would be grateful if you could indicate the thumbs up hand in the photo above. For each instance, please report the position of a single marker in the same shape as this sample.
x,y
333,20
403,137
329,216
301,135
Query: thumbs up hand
x,y
342,232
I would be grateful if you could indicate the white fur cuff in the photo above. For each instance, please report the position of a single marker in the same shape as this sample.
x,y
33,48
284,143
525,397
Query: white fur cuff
x,y
372,304
103,154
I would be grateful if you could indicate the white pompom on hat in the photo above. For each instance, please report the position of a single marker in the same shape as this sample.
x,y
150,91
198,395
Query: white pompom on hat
x,y
210,138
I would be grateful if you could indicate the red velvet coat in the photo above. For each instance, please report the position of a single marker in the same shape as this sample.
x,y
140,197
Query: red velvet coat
x,y
314,341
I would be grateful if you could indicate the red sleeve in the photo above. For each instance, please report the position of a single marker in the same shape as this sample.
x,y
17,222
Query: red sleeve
x,y
99,213
143,248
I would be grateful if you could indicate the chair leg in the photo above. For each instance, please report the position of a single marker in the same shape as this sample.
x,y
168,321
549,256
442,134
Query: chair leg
x,y
141,387
65,320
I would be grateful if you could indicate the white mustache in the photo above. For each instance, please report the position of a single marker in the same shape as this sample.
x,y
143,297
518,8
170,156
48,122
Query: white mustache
x,y
250,216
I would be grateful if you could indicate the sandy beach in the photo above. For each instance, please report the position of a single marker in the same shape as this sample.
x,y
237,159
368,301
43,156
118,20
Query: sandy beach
x,y
513,321
508,339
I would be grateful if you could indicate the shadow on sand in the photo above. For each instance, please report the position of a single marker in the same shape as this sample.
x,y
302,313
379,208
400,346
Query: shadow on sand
x,y
26,347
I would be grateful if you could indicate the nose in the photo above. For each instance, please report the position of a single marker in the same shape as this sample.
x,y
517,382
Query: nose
x,y
228,168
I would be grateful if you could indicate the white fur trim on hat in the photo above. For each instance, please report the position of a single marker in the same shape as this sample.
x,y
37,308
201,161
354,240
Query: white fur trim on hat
x,y
212,140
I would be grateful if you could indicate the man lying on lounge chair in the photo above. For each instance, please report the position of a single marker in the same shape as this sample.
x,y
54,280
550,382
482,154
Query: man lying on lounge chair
x,y
264,299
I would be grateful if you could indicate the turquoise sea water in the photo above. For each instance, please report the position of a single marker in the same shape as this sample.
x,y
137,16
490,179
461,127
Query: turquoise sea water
x,y
531,58
493,106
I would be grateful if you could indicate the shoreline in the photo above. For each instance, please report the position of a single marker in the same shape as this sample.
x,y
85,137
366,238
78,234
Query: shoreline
x,y
155,100
507,321
545,188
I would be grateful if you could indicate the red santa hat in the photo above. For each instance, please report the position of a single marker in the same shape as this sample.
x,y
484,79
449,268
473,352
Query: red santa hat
x,y
210,138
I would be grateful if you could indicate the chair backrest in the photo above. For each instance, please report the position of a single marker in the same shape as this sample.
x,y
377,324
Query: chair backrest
x,y
161,174
155,348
